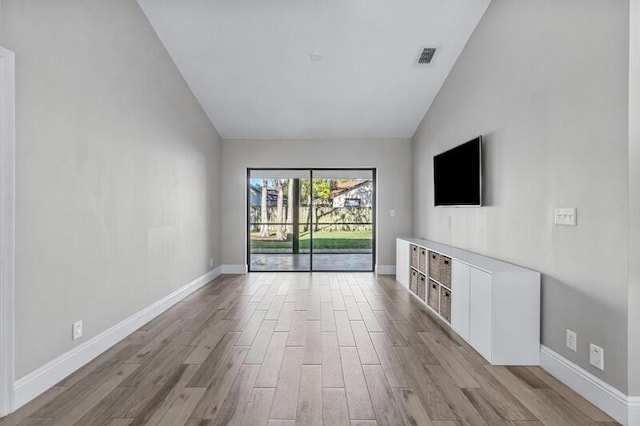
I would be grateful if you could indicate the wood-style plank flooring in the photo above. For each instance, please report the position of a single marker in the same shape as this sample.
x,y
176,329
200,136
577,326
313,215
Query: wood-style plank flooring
x,y
309,349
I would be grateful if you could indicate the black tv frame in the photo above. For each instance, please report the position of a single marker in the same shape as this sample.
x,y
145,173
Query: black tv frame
x,y
438,203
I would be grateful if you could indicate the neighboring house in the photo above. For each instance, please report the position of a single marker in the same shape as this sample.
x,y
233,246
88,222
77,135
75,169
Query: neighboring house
x,y
352,194
272,196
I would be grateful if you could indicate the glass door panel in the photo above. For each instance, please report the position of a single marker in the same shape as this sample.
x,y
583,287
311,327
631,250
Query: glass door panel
x,y
343,218
276,233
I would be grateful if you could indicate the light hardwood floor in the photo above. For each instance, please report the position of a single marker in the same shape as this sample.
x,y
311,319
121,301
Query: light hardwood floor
x,y
310,349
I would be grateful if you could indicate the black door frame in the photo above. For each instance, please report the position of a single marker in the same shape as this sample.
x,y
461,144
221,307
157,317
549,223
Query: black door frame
x,y
373,171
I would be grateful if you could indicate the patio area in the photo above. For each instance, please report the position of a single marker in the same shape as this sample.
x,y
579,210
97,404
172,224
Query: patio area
x,y
342,261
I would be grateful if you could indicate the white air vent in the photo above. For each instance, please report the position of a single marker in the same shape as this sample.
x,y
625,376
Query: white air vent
x,y
426,55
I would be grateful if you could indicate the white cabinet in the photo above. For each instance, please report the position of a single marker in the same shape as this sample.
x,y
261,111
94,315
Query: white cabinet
x,y
515,316
402,258
460,299
495,305
480,311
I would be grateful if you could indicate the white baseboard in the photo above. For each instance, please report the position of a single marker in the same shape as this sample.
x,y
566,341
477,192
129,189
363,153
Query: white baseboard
x,y
35,383
621,407
634,410
234,269
385,269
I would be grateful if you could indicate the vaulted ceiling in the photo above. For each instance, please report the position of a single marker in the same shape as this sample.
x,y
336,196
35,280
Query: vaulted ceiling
x,y
314,68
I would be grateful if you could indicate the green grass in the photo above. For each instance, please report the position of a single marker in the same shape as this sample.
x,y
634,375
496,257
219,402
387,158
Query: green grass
x,y
321,240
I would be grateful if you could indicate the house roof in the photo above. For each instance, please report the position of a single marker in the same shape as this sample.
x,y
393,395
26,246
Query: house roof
x,y
272,195
343,187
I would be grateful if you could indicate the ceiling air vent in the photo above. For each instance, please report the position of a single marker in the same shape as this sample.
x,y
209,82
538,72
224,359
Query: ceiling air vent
x,y
426,55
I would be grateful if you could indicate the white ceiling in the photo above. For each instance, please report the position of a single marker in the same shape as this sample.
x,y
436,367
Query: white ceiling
x,y
248,61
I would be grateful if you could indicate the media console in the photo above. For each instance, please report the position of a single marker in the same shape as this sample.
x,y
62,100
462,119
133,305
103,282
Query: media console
x,y
491,304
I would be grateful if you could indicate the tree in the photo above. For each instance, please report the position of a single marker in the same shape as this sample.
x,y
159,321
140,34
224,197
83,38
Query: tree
x,y
290,202
264,217
279,209
321,190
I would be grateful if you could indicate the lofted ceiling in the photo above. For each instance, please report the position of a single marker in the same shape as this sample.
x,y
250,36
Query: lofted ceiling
x,y
250,64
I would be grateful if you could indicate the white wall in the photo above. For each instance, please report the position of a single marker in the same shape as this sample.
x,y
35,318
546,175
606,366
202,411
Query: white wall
x,y
390,156
546,82
634,199
117,171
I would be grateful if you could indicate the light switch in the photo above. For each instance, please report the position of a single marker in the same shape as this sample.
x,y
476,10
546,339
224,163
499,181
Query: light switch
x,y
392,213
77,330
596,356
572,340
566,216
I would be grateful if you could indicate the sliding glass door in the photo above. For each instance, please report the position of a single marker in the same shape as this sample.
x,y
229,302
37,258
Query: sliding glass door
x,y
342,217
311,219
278,228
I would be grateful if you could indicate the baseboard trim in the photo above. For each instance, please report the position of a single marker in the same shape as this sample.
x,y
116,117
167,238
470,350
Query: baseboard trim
x,y
634,410
33,384
234,269
622,408
385,269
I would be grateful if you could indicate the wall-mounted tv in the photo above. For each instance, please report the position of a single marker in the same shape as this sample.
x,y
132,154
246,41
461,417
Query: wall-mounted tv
x,y
457,175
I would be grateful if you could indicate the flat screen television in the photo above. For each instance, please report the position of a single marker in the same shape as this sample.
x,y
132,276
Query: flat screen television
x,y
457,175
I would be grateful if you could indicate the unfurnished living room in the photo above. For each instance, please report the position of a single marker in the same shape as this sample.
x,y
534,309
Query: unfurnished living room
x,y
420,212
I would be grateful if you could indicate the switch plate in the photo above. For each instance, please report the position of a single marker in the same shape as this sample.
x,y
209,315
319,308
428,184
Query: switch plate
x,y
572,340
392,213
566,216
77,330
211,261
596,356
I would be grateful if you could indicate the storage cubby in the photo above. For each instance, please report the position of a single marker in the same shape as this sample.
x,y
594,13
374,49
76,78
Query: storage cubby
x,y
434,265
414,282
493,305
422,264
422,282
434,296
439,283
415,256
445,303
445,271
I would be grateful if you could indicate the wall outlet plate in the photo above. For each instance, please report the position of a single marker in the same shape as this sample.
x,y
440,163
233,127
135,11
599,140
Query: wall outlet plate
x,y
596,356
566,216
76,330
572,340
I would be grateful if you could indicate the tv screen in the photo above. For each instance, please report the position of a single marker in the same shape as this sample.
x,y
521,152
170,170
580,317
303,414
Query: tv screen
x,y
457,175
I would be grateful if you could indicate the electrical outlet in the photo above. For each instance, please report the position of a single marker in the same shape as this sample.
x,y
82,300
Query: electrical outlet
x,y
565,216
77,330
572,340
596,356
